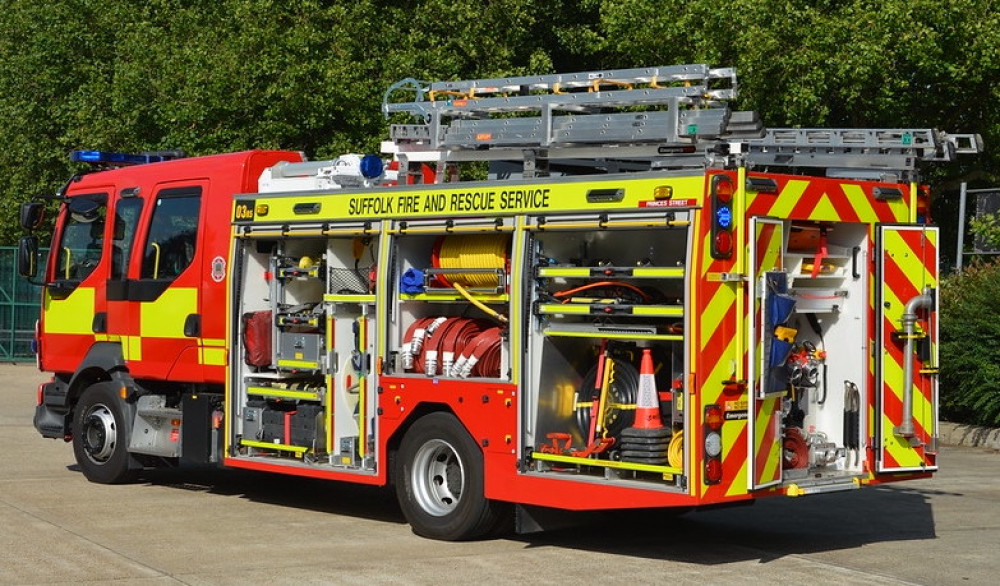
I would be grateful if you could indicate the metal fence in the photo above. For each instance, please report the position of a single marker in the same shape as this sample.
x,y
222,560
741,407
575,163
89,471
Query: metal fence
x,y
19,309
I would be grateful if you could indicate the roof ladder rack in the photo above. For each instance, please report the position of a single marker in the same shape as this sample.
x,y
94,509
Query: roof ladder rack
x,y
857,152
677,105
661,118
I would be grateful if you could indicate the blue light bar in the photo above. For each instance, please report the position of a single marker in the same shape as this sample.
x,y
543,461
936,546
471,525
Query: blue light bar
x,y
371,166
110,158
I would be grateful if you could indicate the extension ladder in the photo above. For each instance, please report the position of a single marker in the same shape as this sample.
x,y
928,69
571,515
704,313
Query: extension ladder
x,y
662,117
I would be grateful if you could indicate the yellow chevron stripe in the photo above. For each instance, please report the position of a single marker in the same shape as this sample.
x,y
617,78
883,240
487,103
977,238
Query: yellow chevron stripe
x,y
738,485
824,211
911,265
731,431
712,388
771,470
898,447
715,311
788,198
706,253
861,203
772,252
894,309
900,210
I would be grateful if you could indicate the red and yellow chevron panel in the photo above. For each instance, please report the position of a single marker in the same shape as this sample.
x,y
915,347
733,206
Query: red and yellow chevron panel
x,y
765,467
908,262
720,326
826,200
767,442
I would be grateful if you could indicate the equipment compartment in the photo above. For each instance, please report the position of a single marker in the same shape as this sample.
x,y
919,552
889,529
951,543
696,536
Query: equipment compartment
x,y
606,347
452,300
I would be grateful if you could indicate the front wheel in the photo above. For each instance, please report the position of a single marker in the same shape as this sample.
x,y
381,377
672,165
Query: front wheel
x,y
100,435
439,482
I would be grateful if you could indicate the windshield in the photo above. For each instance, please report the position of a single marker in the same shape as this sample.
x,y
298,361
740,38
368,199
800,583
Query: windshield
x,y
82,241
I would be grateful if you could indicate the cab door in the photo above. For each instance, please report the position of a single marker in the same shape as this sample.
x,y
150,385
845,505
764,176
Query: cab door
x,y
162,289
73,298
907,410
127,212
764,413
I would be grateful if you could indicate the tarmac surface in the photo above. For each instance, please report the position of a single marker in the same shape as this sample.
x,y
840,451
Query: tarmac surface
x,y
237,527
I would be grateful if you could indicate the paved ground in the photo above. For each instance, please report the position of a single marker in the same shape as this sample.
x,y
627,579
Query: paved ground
x,y
229,527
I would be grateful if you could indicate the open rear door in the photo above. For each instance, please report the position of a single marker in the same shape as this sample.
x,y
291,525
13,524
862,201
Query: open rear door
x,y
907,406
766,262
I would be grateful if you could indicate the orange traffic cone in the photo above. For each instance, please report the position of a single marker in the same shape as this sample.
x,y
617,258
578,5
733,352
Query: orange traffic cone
x,y
646,442
647,404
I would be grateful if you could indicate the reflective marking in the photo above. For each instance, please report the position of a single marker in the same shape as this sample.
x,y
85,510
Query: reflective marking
x,y
164,318
132,347
73,315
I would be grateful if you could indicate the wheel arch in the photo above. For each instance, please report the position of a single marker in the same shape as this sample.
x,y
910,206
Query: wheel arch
x,y
396,437
103,362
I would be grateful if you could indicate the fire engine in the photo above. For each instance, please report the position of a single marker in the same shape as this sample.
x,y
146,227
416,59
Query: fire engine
x,y
646,299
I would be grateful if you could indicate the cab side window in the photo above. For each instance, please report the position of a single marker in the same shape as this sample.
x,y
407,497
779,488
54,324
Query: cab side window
x,y
82,243
173,233
126,219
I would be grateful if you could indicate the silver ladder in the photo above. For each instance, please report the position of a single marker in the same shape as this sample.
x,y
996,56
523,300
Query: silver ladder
x,y
881,152
674,105
673,117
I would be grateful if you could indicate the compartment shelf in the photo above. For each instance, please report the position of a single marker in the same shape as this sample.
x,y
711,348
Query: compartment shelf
x,y
285,393
360,299
297,450
668,471
445,296
609,309
609,332
610,272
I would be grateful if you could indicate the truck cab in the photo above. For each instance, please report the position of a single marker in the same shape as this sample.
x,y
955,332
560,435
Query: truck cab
x,y
133,287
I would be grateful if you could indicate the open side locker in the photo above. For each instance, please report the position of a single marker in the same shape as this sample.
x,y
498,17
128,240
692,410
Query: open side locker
x,y
606,347
906,301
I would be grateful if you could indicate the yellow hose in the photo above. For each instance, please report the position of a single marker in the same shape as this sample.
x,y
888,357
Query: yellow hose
x,y
479,303
675,451
480,251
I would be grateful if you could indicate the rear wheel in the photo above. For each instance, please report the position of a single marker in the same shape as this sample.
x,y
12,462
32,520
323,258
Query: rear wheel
x,y
100,435
439,482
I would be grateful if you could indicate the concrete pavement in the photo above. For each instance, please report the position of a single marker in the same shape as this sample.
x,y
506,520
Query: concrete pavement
x,y
236,527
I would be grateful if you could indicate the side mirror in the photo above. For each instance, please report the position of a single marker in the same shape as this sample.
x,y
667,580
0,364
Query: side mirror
x,y
32,214
27,256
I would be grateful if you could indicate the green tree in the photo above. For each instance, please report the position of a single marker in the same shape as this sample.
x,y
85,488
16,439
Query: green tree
x,y
310,75
970,344
987,228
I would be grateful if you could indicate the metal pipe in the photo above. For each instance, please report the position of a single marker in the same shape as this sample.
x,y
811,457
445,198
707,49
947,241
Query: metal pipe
x,y
960,245
909,322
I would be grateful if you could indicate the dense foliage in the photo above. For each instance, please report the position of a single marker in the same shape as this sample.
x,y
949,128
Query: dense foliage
x,y
970,344
309,75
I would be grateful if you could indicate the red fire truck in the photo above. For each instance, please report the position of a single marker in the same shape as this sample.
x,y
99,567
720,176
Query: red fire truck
x,y
648,300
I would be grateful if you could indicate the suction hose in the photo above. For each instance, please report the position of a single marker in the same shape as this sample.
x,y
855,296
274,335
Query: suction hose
x,y
909,321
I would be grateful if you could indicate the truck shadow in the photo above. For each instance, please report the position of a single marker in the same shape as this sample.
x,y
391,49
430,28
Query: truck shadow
x,y
324,496
769,529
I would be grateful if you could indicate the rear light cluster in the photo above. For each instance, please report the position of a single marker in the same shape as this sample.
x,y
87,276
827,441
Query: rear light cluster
x,y
713,444
722,191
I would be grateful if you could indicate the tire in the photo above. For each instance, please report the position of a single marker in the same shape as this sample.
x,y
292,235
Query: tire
x,y
439,483
100,435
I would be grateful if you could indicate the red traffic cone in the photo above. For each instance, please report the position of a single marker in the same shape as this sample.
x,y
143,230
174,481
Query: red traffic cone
x,y
647,404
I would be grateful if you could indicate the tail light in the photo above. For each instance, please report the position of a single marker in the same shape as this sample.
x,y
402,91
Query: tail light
x,y
722,190
713,444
